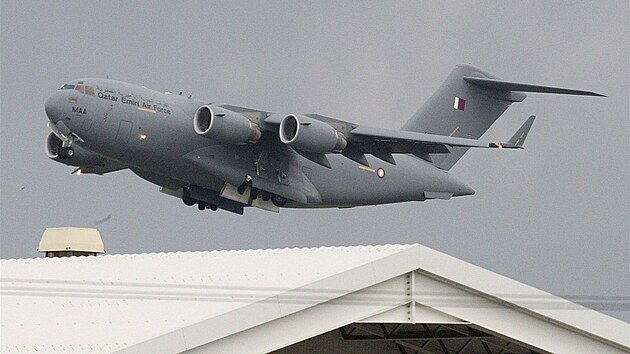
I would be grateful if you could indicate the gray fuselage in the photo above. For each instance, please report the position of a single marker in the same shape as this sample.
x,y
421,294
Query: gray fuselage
x,y
152,133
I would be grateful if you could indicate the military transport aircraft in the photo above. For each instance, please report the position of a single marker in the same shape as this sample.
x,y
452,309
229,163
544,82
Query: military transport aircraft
x,y
220,156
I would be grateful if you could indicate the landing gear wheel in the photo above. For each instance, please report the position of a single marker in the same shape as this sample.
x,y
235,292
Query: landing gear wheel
x,y
213,207
70,153
278,200
254,193
201,205
266,196
65,153
187,199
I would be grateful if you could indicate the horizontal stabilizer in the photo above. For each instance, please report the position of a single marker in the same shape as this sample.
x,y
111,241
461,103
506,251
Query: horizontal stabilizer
x,y
515,86
518,138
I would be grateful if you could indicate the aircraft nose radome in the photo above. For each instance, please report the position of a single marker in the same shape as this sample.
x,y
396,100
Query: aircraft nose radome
x,y
53,109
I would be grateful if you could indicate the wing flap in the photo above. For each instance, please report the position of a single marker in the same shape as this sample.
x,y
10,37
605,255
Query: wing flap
x,y
355,154
395,136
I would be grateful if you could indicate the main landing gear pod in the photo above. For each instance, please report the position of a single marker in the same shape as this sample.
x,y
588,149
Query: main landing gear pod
x,y
248,195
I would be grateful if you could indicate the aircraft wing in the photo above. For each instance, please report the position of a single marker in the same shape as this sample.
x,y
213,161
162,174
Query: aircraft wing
x,y
398,141
383,142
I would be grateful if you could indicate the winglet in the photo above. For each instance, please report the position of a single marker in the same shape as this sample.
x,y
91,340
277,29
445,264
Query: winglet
x,y
518,138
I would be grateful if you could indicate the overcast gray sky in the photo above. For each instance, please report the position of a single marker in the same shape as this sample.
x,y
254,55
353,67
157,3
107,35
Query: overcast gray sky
x,y
554,216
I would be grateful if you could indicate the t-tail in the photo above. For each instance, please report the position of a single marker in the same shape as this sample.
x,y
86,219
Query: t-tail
x,y
468,103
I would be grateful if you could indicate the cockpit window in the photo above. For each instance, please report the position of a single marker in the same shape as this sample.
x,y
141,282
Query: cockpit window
x,y
88,90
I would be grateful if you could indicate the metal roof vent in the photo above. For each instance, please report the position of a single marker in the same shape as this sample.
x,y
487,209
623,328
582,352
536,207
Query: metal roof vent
x,y
71,241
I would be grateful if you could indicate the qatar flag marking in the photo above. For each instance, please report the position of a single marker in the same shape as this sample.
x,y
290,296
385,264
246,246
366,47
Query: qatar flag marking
x,y
459,104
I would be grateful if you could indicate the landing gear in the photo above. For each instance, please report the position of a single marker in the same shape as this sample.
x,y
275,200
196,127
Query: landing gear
x,y
187,199
254,193
65,153
243,187
201,205
278,200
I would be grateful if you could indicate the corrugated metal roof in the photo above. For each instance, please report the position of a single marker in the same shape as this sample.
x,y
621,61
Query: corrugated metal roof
x,y
146,295
112,302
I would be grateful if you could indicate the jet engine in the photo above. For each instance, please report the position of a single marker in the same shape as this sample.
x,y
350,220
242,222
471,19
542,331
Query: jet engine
x,y
307,134
224,125
72,156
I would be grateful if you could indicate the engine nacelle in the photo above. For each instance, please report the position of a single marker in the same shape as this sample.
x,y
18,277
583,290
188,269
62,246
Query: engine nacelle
x,y
80,157
224,125
308,134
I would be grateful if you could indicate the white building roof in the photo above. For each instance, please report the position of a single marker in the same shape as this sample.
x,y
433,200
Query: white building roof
x,y
265,300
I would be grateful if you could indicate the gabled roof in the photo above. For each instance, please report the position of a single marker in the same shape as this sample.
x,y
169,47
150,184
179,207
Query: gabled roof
x,y
263,300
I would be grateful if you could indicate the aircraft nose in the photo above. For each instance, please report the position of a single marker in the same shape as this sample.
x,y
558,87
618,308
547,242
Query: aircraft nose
x,y
53,108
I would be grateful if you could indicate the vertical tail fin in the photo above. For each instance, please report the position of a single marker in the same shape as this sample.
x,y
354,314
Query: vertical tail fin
x,y
468,103
461,109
